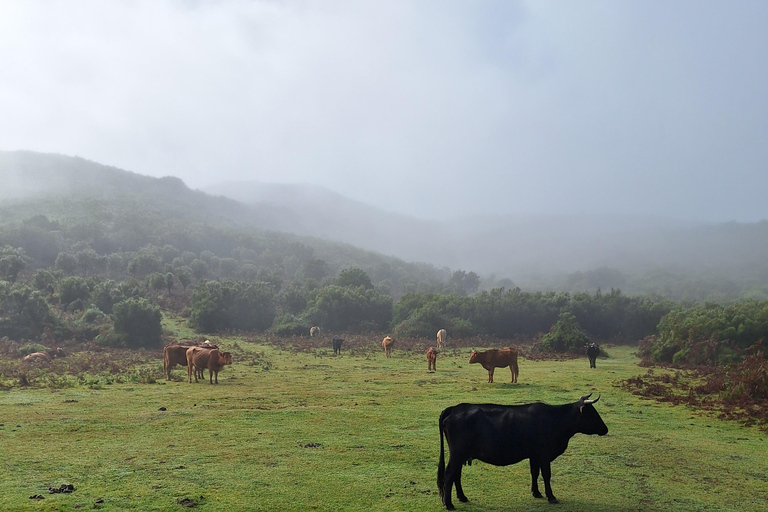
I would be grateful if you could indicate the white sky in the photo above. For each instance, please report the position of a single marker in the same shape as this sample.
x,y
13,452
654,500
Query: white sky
x,y
430,108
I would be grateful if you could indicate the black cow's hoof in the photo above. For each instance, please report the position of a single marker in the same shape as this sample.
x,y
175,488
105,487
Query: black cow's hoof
x,y
553,501
450,507
537,494
463,499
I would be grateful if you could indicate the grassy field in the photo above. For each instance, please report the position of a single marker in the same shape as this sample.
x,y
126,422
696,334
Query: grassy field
x,y
291,429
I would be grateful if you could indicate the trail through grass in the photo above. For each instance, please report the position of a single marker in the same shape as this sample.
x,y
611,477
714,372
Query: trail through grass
x,y
311,431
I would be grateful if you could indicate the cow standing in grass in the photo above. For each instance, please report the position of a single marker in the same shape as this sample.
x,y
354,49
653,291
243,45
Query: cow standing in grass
x,y
431,359
506,434
337,346
442,337
314,332
593,350
496,358
386,344
199,358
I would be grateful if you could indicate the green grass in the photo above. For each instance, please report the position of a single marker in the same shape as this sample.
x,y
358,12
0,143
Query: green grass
x,y
310,431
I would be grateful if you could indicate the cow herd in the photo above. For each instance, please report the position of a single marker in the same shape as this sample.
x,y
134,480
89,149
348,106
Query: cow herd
x,y
499,435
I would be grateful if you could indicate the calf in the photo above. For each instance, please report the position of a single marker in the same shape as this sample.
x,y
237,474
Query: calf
x,y
506,434
200,358
593,350
386,344
337,345
431,359
496,358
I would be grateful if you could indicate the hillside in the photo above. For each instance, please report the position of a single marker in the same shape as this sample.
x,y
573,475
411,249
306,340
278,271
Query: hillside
x,y
683,260
53,203
110,210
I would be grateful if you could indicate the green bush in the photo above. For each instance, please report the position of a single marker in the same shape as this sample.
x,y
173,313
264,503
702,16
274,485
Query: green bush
x,y
565,335
137,323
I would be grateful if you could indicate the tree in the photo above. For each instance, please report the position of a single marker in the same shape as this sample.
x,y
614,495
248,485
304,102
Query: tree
x,y
315,269
137,323
565,335
12,261
354,277
184,275
66,262
73,289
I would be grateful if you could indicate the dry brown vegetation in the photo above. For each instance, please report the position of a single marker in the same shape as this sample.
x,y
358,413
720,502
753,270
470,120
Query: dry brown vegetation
x,y
738,391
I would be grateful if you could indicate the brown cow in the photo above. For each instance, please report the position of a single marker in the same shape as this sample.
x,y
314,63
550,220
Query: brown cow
x,y
386,344
173,355
176,353
442,337
314,332
431,358
496,358
199,358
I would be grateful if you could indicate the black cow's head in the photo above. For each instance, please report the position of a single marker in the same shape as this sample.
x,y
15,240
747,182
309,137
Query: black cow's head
x,y
589,421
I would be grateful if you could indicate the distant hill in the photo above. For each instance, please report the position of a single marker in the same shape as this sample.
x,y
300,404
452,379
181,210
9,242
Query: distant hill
x,y
558,252
534,251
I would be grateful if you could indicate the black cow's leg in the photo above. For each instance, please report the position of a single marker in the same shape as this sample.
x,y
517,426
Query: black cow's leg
x,y
546,473
534,480
448,485
459,490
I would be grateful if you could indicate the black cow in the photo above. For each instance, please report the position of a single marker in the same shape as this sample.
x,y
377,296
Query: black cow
x,y
593,350
506,434
337,345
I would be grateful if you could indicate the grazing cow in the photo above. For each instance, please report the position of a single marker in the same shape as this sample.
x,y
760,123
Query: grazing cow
x,y
199,358
593,350
337,346
37,357
442,337
431,359
314,332
496,358
506,434
386,344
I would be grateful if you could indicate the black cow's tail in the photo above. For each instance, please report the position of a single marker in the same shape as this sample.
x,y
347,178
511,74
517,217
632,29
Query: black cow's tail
x,y
441,461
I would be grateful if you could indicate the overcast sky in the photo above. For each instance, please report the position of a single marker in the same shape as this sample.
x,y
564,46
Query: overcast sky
x,y
430,108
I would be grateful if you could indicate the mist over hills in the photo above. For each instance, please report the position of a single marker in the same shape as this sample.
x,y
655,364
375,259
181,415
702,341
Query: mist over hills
x,y
534,251
573,253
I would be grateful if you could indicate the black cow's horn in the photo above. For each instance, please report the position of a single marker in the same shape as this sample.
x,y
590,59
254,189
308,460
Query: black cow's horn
x,y
587,402
585,397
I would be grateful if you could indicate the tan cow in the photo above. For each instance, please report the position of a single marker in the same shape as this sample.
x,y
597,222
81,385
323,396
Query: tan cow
x,y
386,344
442,337
496,358
314,332
199,358
37,357
431,359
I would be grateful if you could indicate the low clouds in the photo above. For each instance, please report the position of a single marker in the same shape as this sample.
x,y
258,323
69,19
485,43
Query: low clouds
x,y
495,107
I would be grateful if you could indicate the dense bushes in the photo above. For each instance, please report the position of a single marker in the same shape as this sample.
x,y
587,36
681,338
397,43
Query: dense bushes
x,y
565,335
137,323
513,313
221,305
708,333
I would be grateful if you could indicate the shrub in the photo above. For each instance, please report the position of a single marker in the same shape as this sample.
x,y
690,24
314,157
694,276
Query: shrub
x,y
565,335
137,323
